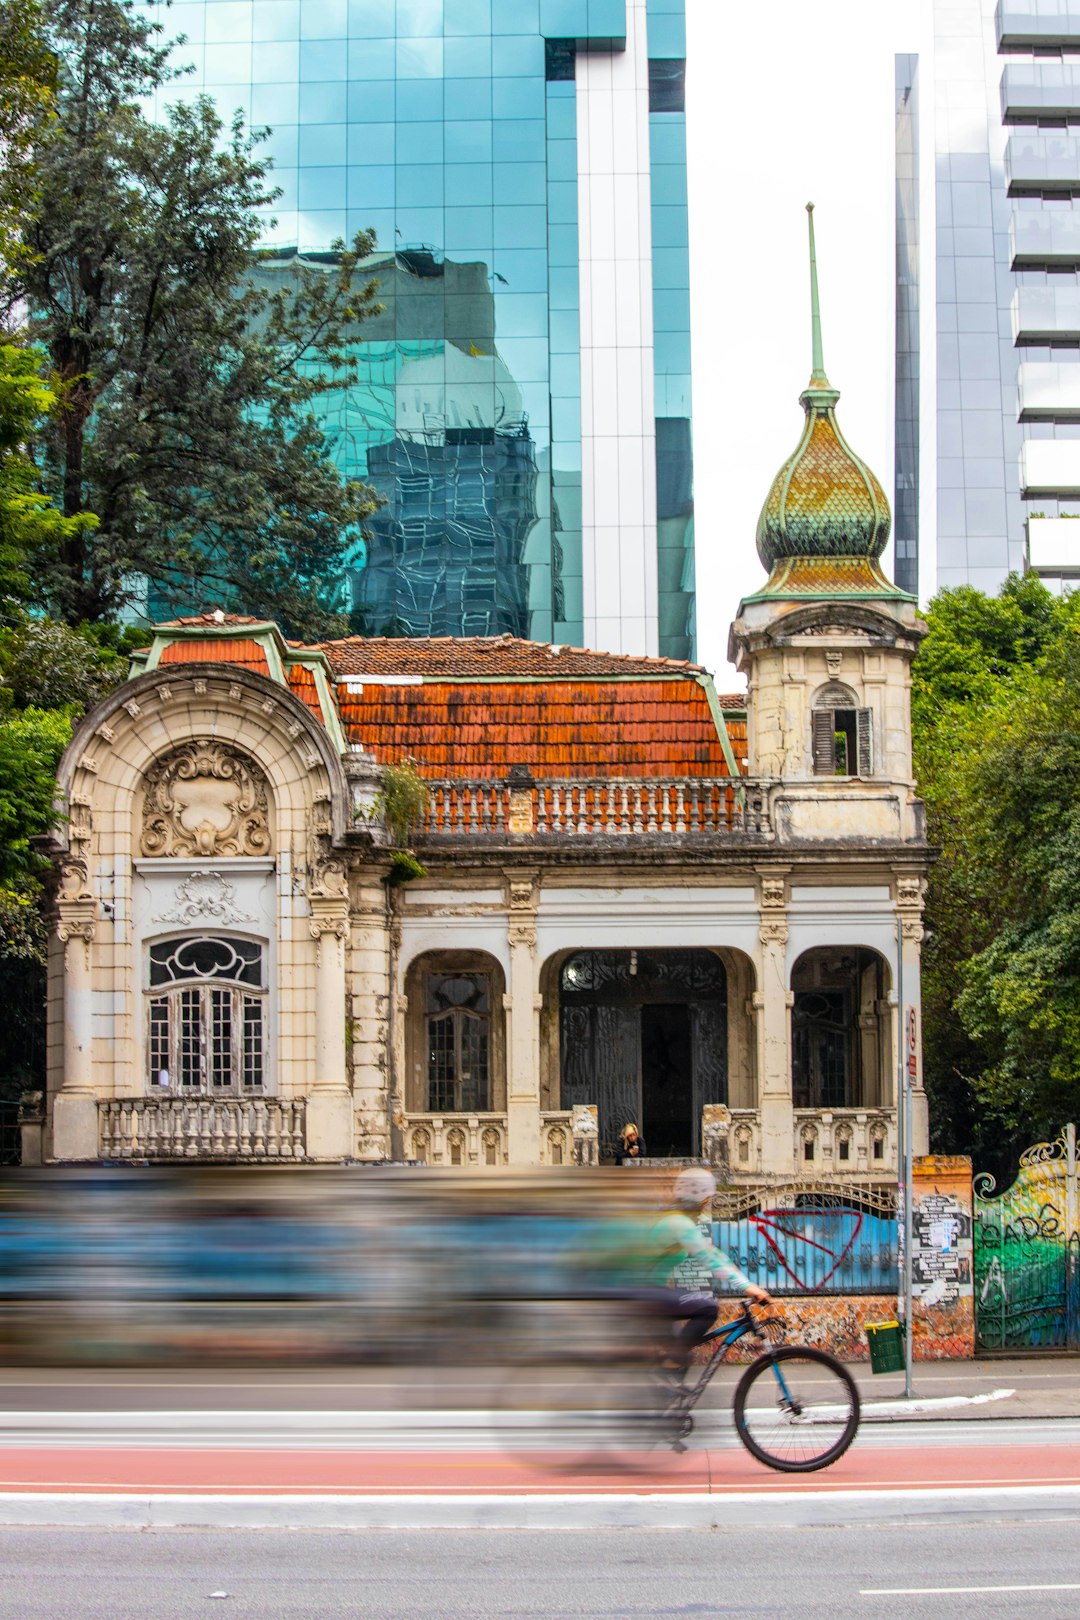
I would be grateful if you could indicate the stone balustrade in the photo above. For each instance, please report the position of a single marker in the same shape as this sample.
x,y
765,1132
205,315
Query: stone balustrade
x,y
202,1128
556,1137
827,1142
838,1140
465,1139
608,807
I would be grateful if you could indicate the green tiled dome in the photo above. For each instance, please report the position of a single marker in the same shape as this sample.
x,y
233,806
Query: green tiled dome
x,y
824,501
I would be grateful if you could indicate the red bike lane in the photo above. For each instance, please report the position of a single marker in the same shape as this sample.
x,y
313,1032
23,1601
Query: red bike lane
x,y
269,1472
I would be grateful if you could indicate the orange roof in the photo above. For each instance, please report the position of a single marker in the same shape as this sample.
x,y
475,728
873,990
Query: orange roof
x,y
557,728
302,685
234,650
457,658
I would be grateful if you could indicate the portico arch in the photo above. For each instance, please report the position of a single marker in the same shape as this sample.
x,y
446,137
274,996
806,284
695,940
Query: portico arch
x,y
649,1035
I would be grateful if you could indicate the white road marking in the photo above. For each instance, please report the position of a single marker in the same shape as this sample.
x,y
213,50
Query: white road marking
x,y
962,1591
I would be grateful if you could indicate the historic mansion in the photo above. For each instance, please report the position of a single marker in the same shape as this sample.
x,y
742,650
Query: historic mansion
x,y
637,898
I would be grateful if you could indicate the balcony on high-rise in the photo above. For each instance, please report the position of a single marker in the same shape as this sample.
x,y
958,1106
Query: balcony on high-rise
x,y
1045,239
1027,25
1054,545
1036,90
1046,315
1050,467
1050,390
1038,163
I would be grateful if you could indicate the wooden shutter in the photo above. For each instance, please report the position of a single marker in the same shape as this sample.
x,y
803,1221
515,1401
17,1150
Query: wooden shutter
x,y
865,735
824,739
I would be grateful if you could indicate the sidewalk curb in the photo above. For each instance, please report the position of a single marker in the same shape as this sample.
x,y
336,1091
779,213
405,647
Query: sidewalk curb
x,y
683,1511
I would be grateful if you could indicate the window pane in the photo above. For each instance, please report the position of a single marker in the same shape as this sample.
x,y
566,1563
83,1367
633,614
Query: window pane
x,y
221,1032
189,1055
159,1038
253,1043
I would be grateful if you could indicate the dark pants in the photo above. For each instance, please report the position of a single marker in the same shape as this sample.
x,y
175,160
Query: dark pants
x,y
696,1311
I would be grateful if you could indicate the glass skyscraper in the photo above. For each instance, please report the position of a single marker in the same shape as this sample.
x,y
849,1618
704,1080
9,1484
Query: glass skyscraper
x,y
995,394
524,404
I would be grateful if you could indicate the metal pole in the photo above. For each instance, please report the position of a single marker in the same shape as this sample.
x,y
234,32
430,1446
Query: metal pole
x,y
906,1167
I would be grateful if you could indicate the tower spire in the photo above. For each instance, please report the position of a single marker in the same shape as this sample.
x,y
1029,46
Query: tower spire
x,y
818,376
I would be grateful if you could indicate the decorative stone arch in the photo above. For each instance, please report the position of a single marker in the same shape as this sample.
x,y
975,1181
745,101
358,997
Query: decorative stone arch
x,y
116,744
423,973
741,1052
292,768
838,618
841,1024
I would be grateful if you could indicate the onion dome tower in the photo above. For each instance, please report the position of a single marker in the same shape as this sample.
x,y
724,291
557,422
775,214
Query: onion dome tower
x,y
825,521
826,644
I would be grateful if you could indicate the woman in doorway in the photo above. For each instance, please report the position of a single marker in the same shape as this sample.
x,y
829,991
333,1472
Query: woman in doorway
x,y
631,1145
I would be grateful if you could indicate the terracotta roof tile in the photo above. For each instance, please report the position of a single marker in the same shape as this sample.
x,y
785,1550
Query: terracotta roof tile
x,y
302,685
458,658
557,728
233,650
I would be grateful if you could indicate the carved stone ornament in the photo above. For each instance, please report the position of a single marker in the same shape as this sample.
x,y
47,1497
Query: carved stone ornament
x,y
204,799
772,891
205,897
773,933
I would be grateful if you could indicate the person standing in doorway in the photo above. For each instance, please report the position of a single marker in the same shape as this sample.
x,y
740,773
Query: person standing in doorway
x,y
631,1145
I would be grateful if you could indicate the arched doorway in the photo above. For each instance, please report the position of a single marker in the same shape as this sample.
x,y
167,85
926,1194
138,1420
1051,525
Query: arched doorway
x,y
643,1035
839,1033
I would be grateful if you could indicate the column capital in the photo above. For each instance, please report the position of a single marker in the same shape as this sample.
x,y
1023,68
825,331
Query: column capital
x,y
76,921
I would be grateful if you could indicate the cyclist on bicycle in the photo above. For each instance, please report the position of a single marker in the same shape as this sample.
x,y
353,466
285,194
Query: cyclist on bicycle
x,y
677,1236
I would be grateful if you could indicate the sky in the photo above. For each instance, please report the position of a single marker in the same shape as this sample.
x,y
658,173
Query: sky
x,y
782,111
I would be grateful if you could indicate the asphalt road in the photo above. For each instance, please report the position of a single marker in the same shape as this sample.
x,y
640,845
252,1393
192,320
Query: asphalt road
x,y
935,1569
1044,1386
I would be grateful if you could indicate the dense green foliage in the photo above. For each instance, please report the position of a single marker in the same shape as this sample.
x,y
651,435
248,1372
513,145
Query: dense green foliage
x,y
996,717
186,380
27,86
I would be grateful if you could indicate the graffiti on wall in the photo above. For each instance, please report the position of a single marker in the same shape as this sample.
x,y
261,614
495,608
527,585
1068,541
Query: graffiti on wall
x,y
1027,1251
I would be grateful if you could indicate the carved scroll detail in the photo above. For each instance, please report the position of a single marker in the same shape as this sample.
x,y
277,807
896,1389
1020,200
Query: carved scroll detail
x,y
205,800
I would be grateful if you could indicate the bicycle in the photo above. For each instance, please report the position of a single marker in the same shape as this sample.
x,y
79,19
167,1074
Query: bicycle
x,y
798,1429
619,1412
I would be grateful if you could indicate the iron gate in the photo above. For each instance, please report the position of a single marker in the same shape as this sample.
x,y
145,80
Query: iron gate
x,y
1027,1253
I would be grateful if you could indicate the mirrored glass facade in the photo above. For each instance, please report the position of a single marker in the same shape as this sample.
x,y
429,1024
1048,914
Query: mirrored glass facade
x,y
450,128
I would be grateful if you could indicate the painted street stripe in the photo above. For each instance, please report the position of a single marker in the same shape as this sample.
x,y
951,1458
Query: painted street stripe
x,y
963,1591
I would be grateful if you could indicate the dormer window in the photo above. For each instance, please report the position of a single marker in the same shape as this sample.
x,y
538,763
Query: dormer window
x,y
842,740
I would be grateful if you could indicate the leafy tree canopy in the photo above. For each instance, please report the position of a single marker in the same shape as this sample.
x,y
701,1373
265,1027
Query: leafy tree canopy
x,y
996,712
187,381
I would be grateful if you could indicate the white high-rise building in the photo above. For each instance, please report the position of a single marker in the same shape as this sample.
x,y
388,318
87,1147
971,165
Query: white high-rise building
x,y
988,294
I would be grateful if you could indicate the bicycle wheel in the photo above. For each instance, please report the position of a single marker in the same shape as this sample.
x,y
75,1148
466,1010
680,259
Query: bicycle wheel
x,y
796,1409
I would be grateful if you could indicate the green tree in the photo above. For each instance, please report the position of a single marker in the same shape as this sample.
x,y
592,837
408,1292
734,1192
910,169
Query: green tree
x,y
27,86
188,367
996,721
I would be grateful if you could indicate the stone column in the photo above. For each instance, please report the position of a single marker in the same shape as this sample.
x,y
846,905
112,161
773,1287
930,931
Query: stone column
x,y
772,1003
910,889
329,1107
369,1010
523,1036
74,1113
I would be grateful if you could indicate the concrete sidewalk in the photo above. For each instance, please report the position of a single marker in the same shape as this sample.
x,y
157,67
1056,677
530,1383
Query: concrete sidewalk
x,y
1041,1385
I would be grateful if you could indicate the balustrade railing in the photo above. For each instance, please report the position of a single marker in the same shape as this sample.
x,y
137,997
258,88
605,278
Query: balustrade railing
x,y
202,1128
465,1139
600,807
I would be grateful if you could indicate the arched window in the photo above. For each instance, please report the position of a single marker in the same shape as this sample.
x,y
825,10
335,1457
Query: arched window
x,y
207,1015
842,733
458,1022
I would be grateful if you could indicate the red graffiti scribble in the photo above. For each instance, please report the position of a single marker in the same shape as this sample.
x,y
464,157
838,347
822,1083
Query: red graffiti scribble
x,y
768,1221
